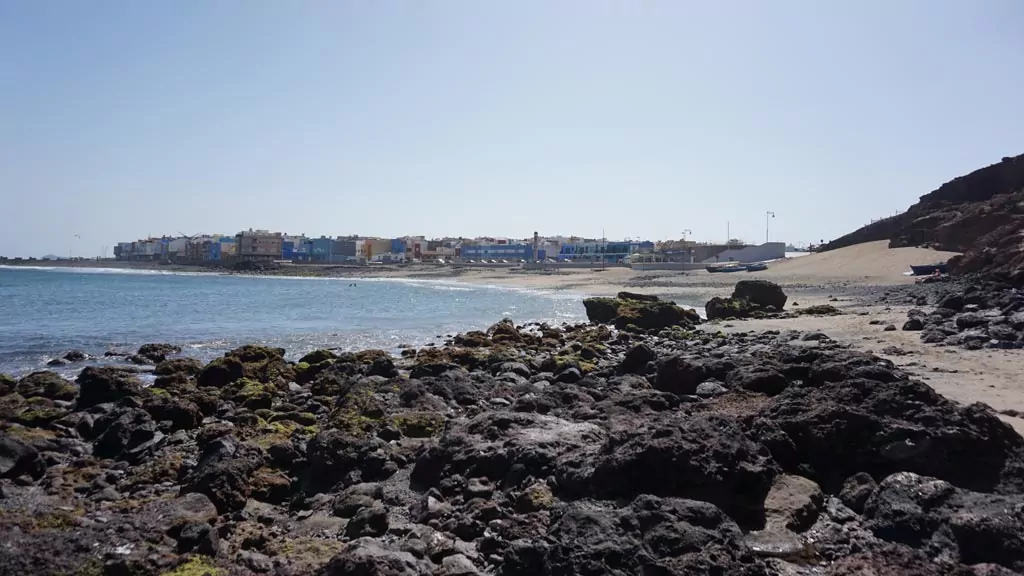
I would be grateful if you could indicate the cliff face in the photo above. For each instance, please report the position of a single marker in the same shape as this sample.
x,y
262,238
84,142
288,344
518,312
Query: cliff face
x,y
980,214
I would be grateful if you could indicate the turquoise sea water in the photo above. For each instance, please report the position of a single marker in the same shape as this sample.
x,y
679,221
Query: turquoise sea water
x,y
45,312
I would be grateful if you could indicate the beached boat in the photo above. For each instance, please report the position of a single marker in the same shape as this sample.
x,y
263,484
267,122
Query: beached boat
x,y
756,267
732,267
926,269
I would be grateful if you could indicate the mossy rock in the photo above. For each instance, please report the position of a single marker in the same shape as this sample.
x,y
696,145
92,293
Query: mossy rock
x,y
7,384
419,424
536,498
369,356
158,391
40,417
300,418
196,566
266,434
48,385
306,372
472,339
601,310
221,372
318,356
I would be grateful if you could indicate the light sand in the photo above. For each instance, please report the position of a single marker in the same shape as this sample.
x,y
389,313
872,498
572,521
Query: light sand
x,y
869,263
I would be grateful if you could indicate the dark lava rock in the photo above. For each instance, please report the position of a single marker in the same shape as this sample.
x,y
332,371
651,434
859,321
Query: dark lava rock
x,y
186,366
758,379
123,432
368,521
703,457
913,325
647,314
856,491
970,527
880,423
198,537
18,458
636,359
679,375
373,558
46,385
760,293
181,413
224,473
710,388
650,536
953,302
971,320
892,327
100,384
157,353
76,356
749,298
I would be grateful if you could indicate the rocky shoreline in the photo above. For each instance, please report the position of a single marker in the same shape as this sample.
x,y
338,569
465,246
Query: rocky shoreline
x,y
644,446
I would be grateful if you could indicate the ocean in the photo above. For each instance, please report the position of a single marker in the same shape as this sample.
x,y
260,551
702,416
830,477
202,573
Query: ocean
x,y
46,312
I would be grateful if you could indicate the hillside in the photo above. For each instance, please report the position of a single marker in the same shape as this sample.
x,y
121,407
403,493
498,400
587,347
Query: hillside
x,y
980,214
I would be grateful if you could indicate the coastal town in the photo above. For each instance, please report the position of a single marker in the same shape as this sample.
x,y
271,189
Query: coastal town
x,y
269,246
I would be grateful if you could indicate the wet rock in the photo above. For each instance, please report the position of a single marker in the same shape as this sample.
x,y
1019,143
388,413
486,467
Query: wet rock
x,y
157,353
914,325
76,356
100,384
953,302
892,327
46,385
646,314
186,366
971,320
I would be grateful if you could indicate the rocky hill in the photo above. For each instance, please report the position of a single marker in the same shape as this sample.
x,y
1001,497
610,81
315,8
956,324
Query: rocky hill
x,y
980,214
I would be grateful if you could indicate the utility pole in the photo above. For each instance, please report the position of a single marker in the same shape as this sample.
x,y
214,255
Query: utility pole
x,y
767,218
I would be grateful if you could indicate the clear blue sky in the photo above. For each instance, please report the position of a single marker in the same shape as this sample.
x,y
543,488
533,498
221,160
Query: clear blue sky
x,y
123,119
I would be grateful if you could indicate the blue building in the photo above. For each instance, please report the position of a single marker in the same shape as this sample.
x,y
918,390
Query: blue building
x,y
497,252
288,250
398,246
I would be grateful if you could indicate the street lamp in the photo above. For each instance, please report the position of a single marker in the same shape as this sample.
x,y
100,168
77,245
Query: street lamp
x,y
767,218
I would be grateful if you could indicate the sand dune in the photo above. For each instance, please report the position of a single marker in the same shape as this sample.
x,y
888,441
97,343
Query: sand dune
x,y
871,261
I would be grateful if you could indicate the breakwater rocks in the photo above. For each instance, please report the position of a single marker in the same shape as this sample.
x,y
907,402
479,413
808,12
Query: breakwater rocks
x,y
521,450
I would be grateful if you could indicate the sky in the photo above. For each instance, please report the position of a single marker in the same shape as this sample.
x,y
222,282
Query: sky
x,y
120,120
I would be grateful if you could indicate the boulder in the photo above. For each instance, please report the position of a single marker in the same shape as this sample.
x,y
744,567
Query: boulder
x,y
793,503
374,558
651,535
224,473
760,294
124,432
17,458
157,353
703,457
969,527
100,384
860,415
46,385
186,366
646,313
636,359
